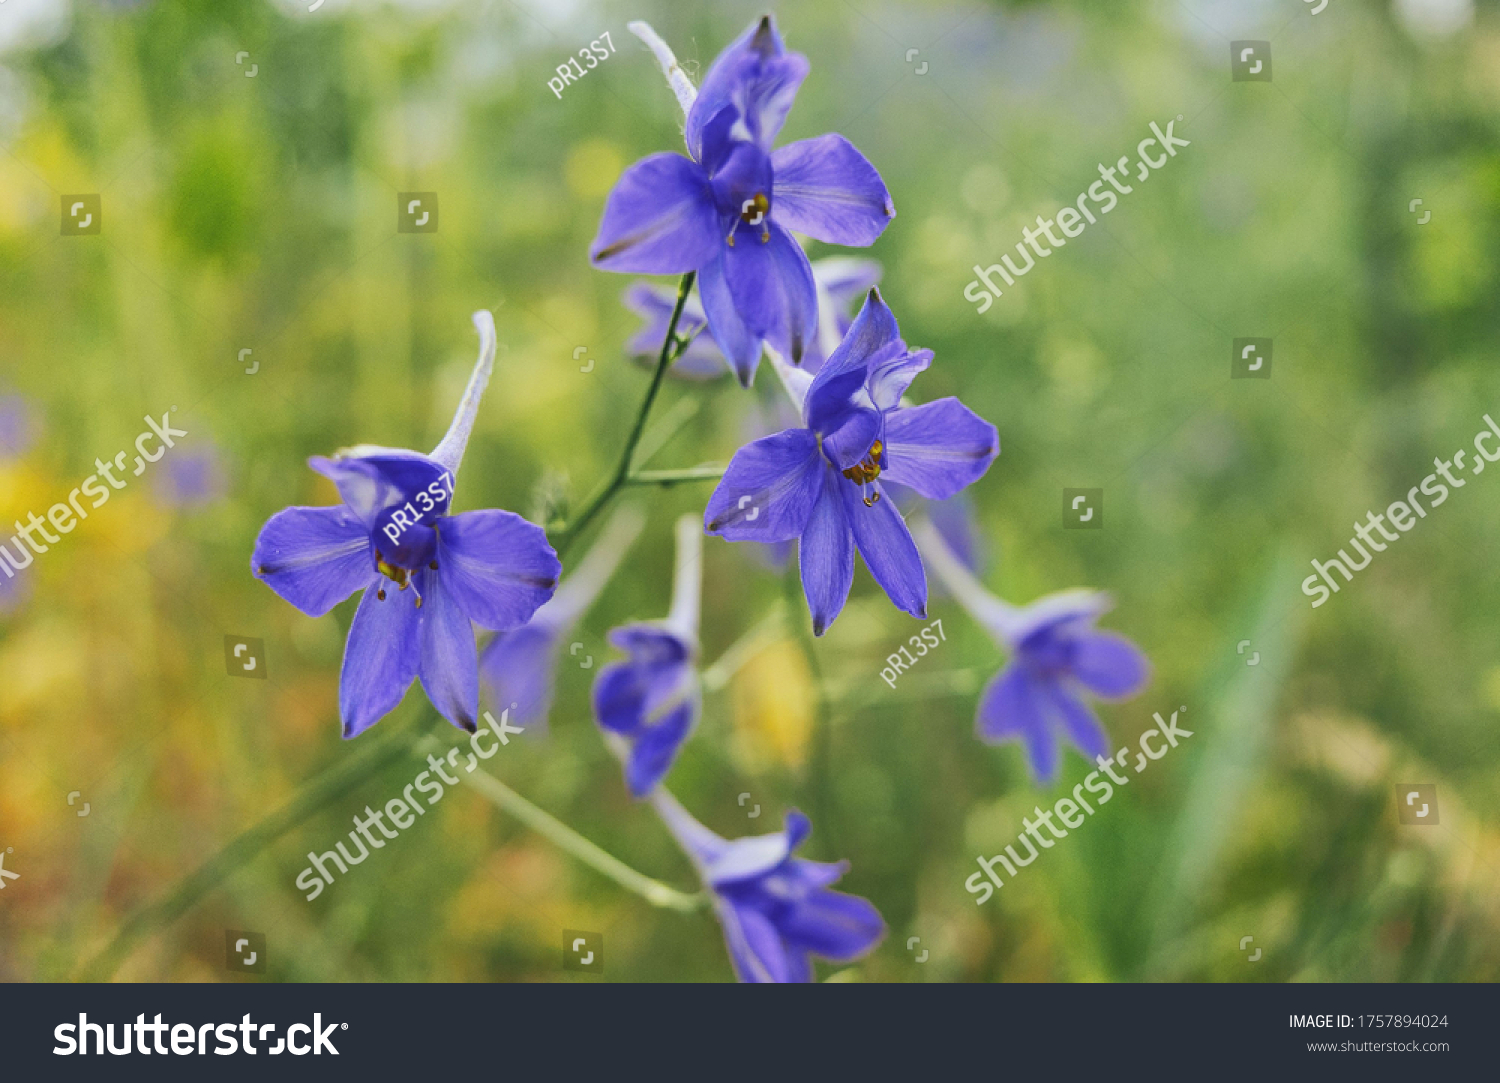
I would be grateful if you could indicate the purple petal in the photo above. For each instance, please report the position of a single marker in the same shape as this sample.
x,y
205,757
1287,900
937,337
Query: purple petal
x,y
701,359
799,969
657,746
797,827
830,191
449,668
939,448
755,77
889,378
872,331
888,549
769,490
954,520
832,406
313,557
741,346
846,279
773,290
373,484
652,647
798,330
833,925
520,667
825,555
1109,665
498,566
1014,705
746,859
1053,614
659,219
619,699
1079,723
381,657
755,947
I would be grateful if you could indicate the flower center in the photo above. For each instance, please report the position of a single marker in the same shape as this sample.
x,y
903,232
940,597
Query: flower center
x,y
753,212
398,575
867,470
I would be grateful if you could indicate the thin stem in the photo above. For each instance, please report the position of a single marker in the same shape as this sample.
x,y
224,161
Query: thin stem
x,y
588,577
672,477
986,609
765,632
554,830
670,348
668,426
383,750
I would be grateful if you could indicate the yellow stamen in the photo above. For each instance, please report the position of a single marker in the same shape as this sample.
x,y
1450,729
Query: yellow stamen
x,y
867,469
753,211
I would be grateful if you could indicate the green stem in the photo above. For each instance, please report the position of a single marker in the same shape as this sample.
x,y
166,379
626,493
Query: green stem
x,y
672,477
554,830
383,750
671,347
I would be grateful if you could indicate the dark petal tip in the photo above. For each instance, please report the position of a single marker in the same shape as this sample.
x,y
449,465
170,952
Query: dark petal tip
x,y
467,724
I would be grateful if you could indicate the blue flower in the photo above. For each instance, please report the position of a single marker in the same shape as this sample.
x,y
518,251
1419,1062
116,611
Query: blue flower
x,y
839,281
776,910
17,426
519,667
1057,659
727,211
394,530
648,704
15,588
819,483
192,478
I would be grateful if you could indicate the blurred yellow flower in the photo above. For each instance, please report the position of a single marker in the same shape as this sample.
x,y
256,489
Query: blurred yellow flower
x,y
773,708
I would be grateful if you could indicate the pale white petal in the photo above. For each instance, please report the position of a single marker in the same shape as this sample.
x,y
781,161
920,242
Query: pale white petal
x,y
676,78
450,451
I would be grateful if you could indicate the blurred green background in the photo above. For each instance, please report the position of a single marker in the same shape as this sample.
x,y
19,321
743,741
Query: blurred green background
x,y
258,212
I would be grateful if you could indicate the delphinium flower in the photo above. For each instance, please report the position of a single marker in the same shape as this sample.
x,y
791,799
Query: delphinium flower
x,y
726,211
819,483
776,909
1057,660
192,478
426,573
840,282
17,426
518,668
648,703
15,587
